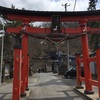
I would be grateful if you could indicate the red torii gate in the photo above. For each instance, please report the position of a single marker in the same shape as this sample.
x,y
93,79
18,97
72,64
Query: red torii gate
x,y
21,59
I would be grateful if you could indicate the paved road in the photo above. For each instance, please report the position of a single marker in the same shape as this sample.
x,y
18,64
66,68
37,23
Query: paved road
x,y
6,91
45,86
51,87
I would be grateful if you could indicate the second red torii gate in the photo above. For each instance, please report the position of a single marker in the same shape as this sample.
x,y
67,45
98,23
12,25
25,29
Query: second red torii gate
x,y
21,59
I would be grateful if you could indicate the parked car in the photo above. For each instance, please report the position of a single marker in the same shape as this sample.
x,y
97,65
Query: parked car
x,y
71,73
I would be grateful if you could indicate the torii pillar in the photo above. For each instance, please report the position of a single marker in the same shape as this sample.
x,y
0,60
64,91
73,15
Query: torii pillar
x,y
85,51
17,68
25,65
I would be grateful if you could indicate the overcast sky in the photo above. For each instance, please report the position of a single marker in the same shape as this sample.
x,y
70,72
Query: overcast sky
x,y
48,5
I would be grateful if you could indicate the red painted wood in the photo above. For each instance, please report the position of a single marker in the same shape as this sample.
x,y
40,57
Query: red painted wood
x,y
85,51
41,31
82,79
48,18
92,59
17,74
25,66
94,82
78,72
27,73
98,69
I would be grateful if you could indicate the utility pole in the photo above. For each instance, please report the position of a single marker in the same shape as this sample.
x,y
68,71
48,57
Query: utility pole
x,y
57,46
74,5
66,5
2,53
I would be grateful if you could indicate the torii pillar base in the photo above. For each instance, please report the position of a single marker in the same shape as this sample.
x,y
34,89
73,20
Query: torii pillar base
x,y
22,94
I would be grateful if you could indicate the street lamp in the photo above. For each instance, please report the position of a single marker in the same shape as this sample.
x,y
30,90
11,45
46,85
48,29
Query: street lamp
x,y
2,33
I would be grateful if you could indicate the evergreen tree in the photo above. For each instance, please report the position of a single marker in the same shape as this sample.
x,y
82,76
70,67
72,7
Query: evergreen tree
x,y
94,38
92,5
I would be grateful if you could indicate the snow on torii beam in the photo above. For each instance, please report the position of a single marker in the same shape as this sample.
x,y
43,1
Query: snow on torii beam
x,y
45,16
